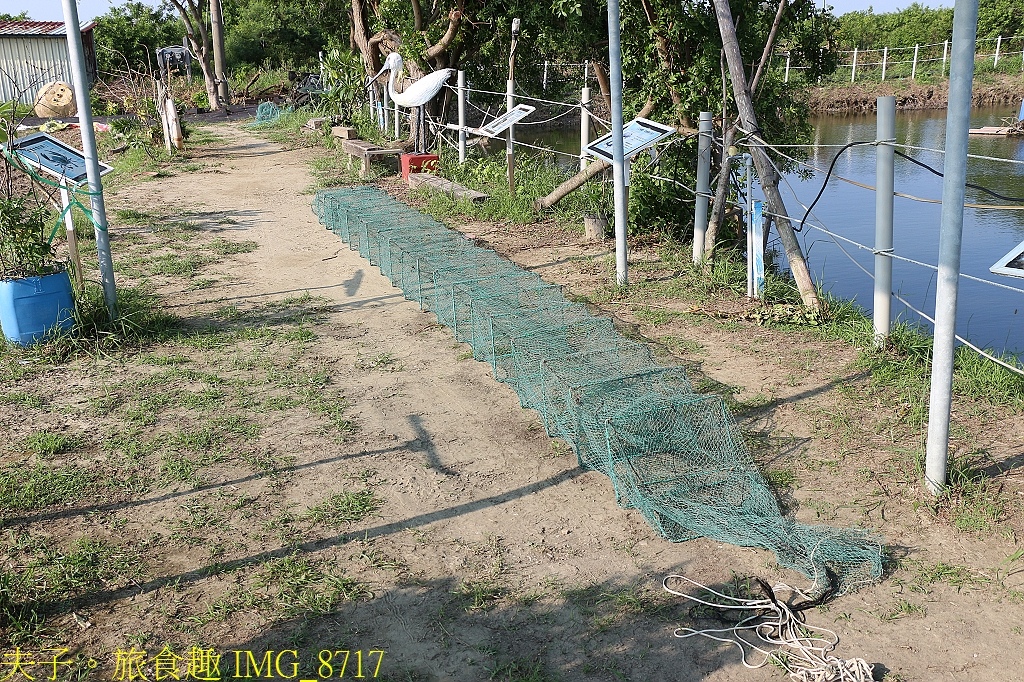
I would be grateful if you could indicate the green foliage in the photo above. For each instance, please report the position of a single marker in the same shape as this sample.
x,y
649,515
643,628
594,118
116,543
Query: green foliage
x,y
343,75
916,24
129,35
25,248
286,33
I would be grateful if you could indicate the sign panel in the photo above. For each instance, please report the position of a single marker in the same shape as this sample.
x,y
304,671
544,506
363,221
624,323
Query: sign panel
x,y
1012,264
52,156
637,135
506,120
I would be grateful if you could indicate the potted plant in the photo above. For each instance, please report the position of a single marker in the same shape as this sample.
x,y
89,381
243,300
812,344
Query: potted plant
x,y
35,289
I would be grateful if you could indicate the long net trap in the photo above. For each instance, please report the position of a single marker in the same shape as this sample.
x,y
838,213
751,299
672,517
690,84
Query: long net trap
x,y
676,456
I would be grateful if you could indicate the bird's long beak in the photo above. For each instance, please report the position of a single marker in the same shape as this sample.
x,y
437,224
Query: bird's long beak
x,y
370,81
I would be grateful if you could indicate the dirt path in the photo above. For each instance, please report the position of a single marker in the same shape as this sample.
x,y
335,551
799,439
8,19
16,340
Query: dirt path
x,y
487,554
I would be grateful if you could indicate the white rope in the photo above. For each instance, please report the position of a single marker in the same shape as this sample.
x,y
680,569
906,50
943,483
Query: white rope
x,y
969,156
804,655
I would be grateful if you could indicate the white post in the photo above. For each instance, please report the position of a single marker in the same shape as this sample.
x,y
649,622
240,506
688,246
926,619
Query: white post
x,y
951,223
945,53
885,137
544,82
462,116
999,44
853,73
757,241
69,227
748,162
618,147
785,79
584,126
92,167
398,122
586,71
885,58
913,69
700,213
510,139
387,110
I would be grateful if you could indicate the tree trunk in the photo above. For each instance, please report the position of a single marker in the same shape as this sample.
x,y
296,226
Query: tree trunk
x,y
602,82
192,15
766,172
721,197
769,47
573,183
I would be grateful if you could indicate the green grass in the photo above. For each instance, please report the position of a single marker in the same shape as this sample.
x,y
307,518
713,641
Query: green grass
x,y
25,488
47,444
343,508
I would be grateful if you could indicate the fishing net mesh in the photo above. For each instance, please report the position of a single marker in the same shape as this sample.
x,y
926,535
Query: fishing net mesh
x,y
676,456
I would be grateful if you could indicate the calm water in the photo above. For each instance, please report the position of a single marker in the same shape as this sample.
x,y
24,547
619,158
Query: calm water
x,y
986,315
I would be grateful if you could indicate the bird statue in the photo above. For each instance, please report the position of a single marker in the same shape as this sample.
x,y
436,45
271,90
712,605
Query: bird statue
x,y
415,95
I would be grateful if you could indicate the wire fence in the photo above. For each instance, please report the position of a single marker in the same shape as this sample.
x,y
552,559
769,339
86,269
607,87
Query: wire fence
x,y
918,62
807,217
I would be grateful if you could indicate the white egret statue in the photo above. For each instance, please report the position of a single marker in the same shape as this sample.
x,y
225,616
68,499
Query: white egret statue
x,y
415,95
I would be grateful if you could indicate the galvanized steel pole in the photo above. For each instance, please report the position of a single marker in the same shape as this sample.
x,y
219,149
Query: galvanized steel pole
x,y
584,126
462,116
700,212
92,166
958,118
618,153
885,137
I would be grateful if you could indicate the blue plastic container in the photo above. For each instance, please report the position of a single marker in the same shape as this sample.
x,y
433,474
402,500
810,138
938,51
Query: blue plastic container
x,y
32,306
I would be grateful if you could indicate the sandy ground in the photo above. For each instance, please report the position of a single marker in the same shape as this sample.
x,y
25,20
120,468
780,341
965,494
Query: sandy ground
x,y
475,493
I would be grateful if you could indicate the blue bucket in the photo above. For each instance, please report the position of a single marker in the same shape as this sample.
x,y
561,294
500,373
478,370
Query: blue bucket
x,y
31,307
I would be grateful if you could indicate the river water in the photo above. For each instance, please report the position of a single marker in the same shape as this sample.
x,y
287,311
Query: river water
x,y
987,316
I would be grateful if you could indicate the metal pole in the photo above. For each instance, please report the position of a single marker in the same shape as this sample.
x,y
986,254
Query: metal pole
x,y
700,212
584,126
945,53
748,164
544,83
885,58
961,76
618,151
386,110
510,139
462,116
398,123
885,137
999,44
786,77
913,69
586,71
757,242
92,166
853,74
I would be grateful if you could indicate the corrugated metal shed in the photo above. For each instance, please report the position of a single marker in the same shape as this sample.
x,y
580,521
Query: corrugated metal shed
x,y
33,53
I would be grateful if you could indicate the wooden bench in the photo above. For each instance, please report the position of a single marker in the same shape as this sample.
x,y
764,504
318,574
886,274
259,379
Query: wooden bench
x,y
365,151
439,184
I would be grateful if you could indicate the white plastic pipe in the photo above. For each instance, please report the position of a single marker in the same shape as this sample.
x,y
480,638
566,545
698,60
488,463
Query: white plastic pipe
x,y
462,116
584,126
700,212
618,151
884,186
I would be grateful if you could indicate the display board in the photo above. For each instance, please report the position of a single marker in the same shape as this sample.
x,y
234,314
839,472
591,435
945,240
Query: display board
x,y
637,135
50,155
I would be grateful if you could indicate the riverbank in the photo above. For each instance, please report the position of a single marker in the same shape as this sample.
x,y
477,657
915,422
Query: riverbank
x,y
989,90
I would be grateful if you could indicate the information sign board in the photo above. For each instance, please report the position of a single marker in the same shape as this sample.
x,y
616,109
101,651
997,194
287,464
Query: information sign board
x,y
52,156
637,135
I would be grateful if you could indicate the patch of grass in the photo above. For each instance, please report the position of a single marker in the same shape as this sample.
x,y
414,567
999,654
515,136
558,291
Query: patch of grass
x,y
224,247
297,585
132,216
973,502
479,595
902,609
26,489
22,399
521,671
343,508
48,444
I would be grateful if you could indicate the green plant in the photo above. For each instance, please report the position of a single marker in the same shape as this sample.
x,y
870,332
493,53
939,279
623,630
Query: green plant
x,y
26,246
